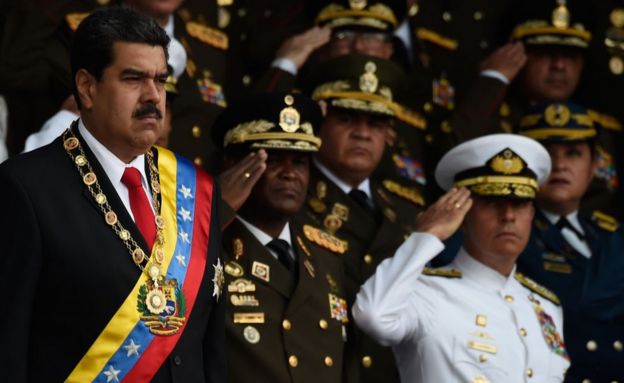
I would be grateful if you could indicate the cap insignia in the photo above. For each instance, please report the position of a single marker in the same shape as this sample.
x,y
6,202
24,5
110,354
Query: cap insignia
x,y
561,15
369,80
557,115
507,162
289,116
357,4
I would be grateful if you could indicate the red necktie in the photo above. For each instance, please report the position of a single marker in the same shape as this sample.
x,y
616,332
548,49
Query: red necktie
x,y
140,205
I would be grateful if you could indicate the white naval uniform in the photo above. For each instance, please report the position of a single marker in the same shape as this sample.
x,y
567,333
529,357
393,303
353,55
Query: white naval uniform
x,y
431,320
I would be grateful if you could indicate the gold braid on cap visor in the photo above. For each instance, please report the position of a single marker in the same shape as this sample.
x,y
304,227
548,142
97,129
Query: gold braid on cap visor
x,y
375,12
523,187
353,100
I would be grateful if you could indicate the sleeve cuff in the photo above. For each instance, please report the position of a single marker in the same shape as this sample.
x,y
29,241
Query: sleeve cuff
x,y
287,65
495,74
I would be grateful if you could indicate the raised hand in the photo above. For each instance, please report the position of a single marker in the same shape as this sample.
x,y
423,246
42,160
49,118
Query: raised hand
x,y
445,216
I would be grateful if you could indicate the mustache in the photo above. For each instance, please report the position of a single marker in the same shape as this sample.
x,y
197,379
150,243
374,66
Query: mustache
x,y
147,109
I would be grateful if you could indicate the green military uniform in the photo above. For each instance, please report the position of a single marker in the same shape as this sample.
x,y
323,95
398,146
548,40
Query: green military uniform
x,y
287,320
371,231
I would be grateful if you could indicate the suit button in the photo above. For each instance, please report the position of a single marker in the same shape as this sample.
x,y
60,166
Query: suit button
x,y
198,161
586,381
483,358
286,325
367,361
329,361
617,345
509,298
246,80
196,131
323,324
529,372
523,332
177,360
368,259
592,345
446,16
293,361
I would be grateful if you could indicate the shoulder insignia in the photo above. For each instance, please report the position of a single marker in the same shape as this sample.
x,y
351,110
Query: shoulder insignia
x,y
425,34
605,221
410,117
237,248
605,120
537,288
408,193
207,35
442,272
325,240
74,19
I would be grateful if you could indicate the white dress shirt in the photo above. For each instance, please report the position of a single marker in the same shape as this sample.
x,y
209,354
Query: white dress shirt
x,y
345,187
114,167
432,322
573,240
264,238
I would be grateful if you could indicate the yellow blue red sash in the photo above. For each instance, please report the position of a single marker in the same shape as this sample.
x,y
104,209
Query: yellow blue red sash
x,y
126,349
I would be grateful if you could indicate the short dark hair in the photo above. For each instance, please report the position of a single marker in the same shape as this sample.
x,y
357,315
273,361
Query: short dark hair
x,y
92,46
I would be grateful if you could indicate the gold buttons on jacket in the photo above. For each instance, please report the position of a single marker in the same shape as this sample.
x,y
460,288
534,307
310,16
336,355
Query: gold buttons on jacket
x,y
523,332
592,345
509,298
196,131
198,161
446,16
286,325
483,358
368,259
329,361
323,324
367,361
617,345
293,361
529,372
586,381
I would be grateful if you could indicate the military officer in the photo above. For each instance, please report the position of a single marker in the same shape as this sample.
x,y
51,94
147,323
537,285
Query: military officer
x,y
372,215
577,255
287,313
477,320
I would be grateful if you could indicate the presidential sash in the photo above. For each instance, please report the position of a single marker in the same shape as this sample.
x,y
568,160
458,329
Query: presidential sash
x,y
136,342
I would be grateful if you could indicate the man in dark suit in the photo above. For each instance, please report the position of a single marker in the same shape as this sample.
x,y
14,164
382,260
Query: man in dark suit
x,y
577,255
287,317
111,246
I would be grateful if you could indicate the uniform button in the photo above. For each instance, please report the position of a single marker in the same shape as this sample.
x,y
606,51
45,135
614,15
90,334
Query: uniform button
x,y
509,298
367,361
196,131
446,16
592,345
428,107
429,139
483,358
246,80
242,12
617,345
293,361
198,161
286,324
177,360
329,361
586,381
529,372
323,324
523,332
478,15
368,259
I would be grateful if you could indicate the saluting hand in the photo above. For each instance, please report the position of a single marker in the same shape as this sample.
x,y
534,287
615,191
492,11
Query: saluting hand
x,y
507,60
445,216
299,47
237,181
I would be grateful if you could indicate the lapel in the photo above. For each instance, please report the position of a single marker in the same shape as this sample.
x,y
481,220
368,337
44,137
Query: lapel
x,y
111,195
279,279
592,237
307,269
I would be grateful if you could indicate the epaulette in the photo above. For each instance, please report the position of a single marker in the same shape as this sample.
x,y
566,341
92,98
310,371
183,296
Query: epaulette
x,y
411,117
436,38
606,121
325,240
207,35
442,272
409,193
605,221
74,19
537,288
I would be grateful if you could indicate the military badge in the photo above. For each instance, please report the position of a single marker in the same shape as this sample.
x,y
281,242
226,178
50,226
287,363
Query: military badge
x,y
260,270
289,116
338,308
303,247
333,286
218,280
234,269
251,334
237,248
410,194
244,300
368,80
332,223
341,211
317,205
549,330
324,239
161,305
309,268
606,168
241,286
443,93
409,168
210,91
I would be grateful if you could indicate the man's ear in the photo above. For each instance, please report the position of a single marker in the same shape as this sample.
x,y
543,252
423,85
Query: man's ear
x,y
86,85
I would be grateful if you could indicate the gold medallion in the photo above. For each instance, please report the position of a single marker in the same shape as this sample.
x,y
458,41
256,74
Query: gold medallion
x,y
155,301
111,218
124,235
80,160
89,178
156,186
100,198
159,256
71,143
138,256
153,272
160,221
616,65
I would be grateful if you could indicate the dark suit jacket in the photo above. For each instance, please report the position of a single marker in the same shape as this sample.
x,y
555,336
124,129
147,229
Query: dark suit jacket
x,y
66,273
312,335
591,292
